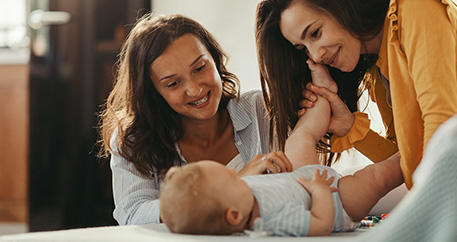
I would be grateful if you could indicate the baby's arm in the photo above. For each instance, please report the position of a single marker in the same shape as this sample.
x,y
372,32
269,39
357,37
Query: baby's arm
x,y
300,146
322,209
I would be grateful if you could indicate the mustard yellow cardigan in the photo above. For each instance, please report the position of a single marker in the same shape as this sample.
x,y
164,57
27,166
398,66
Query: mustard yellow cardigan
x,y
419,58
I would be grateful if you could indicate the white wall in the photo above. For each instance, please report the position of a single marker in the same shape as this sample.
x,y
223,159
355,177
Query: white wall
x,y
232,24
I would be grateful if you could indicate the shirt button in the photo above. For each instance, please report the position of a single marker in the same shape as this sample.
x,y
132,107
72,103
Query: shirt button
x,y
239,143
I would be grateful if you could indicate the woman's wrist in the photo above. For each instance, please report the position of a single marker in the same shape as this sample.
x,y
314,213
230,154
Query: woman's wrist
x,y
349,123
358,131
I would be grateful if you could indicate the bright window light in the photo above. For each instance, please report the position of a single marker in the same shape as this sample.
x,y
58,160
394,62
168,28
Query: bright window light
x,y
13,32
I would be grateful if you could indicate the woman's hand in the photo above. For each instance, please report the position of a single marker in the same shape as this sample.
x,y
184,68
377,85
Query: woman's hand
x,y
274,162
342,119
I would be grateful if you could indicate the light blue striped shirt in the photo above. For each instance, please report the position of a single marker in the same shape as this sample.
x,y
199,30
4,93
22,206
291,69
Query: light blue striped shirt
x,y
284,205
136,197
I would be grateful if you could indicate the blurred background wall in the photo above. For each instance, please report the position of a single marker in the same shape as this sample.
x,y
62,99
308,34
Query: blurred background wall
x,y
232,23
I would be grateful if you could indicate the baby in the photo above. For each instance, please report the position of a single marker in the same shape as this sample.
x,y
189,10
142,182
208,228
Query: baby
x,y
313,200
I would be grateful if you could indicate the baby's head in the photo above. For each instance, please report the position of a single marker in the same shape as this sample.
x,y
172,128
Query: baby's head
x,y
196,198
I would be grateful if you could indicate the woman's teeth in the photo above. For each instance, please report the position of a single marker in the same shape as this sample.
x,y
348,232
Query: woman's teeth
x,y
201,101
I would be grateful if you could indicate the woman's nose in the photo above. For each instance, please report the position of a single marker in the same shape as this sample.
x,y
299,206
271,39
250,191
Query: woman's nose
x,y
316,54
193,89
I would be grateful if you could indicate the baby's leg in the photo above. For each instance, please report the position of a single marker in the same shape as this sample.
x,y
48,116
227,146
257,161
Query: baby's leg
x,y
361,191
300,146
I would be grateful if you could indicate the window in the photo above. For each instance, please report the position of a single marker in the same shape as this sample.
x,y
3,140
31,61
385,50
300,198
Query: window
x,y
13,31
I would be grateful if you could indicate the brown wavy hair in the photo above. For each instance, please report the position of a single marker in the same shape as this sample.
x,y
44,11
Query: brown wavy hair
x,y
147,127
283,69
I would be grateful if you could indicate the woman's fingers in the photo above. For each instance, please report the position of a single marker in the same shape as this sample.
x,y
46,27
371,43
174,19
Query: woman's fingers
x,y
325,93
278,162
301,112
255,166
308,101
274,162
342,118
308,94
304,103
271,168
283,161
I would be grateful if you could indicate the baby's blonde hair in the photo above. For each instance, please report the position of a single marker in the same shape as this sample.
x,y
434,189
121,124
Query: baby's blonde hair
x,y
188,206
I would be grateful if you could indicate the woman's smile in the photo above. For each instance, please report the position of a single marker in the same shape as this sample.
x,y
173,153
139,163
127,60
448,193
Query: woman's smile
x,y
333,62
201,102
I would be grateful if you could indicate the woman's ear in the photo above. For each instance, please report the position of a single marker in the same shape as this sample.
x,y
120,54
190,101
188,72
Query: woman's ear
x,y
233,216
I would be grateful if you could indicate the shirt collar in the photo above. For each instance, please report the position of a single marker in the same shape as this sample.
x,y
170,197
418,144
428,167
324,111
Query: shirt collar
x,y
240,118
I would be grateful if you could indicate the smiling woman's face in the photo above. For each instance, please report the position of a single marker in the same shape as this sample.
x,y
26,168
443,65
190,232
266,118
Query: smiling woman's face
x,y
187,78
320,35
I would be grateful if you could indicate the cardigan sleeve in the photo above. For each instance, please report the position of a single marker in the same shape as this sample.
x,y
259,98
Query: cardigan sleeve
x,y
366,141
358,131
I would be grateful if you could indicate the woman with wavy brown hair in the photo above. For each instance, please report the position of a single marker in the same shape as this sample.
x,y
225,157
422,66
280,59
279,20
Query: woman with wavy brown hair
x,y
174,102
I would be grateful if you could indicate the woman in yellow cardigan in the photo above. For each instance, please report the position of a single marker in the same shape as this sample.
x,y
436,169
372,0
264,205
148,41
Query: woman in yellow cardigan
x,y
403,51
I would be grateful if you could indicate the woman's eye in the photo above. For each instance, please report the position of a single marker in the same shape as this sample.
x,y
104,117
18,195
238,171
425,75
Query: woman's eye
x,y
302,48
315,33
172,84
299,47
200,67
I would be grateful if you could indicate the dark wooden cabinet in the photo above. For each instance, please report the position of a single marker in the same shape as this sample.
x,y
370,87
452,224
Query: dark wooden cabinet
x,y
69,187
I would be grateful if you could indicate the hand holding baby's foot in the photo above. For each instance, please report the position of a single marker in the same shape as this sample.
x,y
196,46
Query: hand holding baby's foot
x,y
321,77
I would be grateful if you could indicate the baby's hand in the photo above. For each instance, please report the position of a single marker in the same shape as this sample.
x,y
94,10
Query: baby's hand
x,y
321,77
318,183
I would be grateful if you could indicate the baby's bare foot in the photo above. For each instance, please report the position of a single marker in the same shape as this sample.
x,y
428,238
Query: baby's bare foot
x,y
321,77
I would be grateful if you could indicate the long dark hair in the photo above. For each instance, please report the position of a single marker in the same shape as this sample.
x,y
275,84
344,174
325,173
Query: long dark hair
x,y
147,127
283,69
